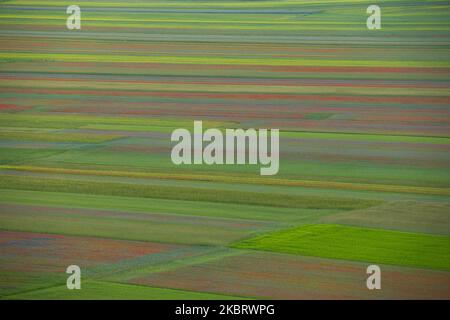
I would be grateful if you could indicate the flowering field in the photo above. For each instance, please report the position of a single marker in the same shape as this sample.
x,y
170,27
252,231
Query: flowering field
x,y
86,176
269,275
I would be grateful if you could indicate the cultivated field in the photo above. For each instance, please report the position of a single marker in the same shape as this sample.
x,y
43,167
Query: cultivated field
x,y
360,244
86,176
267,275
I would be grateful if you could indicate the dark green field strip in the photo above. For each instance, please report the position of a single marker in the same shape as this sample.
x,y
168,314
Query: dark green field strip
x,y
320,170
127,226
163,206
177,193
361,244
414,216
206,179
349,136
186,88
55,121
74,121
386,170
46,69
57,136
19,155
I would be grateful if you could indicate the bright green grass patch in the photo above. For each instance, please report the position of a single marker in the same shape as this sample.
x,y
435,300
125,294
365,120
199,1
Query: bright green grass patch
x,y
99,290
360,244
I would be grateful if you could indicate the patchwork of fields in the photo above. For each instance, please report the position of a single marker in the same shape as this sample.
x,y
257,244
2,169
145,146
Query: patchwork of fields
x,y
86,176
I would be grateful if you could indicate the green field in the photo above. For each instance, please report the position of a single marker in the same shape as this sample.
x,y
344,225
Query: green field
x,y
97,290
86,175
360,244
415,216
179,193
